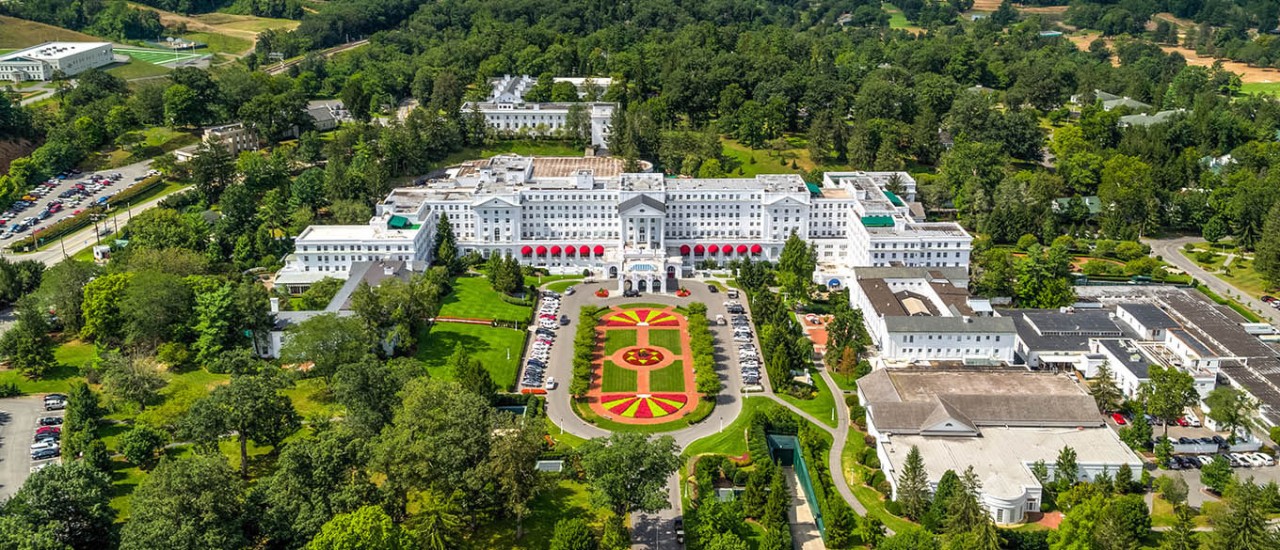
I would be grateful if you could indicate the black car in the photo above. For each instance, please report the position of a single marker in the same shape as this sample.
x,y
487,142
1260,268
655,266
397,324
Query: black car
x,y
633,293
713,289
678,527
51,421
55,396
47,436
44,454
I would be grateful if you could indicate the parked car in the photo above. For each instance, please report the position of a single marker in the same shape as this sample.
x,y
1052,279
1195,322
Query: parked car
x,y
55,396
1118,418
630,293
50,421
551,383
713,289
55,405
569,291
48,429
1266,459
45,453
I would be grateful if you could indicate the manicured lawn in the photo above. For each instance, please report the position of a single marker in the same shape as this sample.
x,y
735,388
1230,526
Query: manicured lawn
x,y
853,473
487,344
548,279
1239,274
1269,88
732,440
473,298
617,379
567,439
311,397
843,382
615,340
183,390
820,406
70,357
137,68
562,500
668,379
561,286
669,339
218,43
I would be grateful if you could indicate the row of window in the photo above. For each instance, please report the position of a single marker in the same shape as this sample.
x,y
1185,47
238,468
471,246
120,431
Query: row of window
x,y
353,248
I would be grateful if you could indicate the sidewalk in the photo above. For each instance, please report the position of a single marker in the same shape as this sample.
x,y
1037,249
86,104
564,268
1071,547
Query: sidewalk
x,y
804,530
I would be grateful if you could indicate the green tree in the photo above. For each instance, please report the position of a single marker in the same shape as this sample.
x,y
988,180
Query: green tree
x,y
627,472
1242,524
913,485
1216,475
60,506
27,344
369,527
435,520
1182,535
141,446
1105,391
513,458
213,169
367,389
949,486
471,374
134,380
1167,393
1066,471
62,291
327,341
445,245
1173,489
573,534
1267,249
1231,409
911,539
194,503
798,260
250,407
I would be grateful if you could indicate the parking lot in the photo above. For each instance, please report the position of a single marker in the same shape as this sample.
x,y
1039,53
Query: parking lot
x,y
64,195
18,417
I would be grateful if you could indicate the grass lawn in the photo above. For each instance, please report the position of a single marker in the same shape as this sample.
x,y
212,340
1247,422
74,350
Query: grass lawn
x,y
548,279
732,440
669,339
486,344
248,23
616,379
561,286
896,19
1270,88
218,43
311,397
183,390
562,500
137,68
615,340
472,297
70,356
19,33
1162,514
845,383
821,406
561,437
668,379
853,473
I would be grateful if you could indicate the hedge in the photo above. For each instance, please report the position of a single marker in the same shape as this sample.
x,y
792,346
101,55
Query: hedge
x,y
703,348
82,220
584,349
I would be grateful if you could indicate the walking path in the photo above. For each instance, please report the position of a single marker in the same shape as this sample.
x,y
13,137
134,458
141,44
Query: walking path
x,y
804,529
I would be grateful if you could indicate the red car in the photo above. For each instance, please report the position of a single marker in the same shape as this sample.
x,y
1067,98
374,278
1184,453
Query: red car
x,y
1119,418
48,430
1183,422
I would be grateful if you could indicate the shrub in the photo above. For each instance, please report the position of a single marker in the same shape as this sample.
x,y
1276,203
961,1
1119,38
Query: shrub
x,y
9,389
893,507
884,488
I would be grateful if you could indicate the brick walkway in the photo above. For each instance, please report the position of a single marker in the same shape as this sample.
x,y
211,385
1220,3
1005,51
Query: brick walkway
x,y
684,354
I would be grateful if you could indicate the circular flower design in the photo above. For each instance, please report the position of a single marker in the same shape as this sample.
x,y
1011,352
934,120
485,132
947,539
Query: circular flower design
x,y
644,406
642,357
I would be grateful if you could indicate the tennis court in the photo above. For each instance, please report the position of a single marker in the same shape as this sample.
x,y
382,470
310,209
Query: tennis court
x,y
158,56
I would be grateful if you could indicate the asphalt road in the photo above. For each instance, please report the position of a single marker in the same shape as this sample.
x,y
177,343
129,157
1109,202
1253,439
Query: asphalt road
x,y
86,237
18,417
1171,251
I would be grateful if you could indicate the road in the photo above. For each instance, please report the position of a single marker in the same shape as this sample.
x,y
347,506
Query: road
x,y
1171,251
654,531
278,68
86,237
18,417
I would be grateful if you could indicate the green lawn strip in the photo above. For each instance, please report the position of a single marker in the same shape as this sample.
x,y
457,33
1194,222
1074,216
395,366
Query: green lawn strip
x,y
665,338
562,500
870,498
474,298
563,284
843,382
668,379
137,68
1245,312
1268,88
732,440
484,343
545,279
702,410
217,43
820,406
617,379
616,339
562,437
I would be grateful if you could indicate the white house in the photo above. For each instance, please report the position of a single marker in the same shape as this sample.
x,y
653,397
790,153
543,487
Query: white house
x,y
43,61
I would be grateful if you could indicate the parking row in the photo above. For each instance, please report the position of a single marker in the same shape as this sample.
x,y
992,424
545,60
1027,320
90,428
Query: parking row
x,y
73,195
544,337
1236,460
749,362
47,444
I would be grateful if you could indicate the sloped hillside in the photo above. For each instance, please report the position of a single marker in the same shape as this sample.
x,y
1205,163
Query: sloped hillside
x,y
12,149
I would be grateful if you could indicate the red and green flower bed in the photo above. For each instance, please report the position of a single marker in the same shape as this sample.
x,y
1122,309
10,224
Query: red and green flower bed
x,y
644,406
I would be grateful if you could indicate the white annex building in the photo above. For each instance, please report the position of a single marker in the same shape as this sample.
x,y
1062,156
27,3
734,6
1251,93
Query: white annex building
x,y
572,215
1000,422
41,62
507,112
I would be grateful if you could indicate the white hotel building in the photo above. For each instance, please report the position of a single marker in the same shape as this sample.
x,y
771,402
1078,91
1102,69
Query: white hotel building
x,y
571,215
507,112
43,61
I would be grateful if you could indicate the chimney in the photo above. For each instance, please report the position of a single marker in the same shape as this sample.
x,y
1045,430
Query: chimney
x,y
275,305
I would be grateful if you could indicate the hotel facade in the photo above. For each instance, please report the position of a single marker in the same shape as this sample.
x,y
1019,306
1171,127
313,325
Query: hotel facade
x,y
576,215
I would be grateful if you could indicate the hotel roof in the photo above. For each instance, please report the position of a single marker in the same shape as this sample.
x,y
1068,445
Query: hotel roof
x,y
53,50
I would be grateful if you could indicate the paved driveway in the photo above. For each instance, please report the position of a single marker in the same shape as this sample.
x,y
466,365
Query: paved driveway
x,y
18,417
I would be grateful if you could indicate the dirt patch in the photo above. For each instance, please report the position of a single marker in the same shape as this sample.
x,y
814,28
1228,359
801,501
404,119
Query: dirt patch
x,y
993,5
12,149
1247,73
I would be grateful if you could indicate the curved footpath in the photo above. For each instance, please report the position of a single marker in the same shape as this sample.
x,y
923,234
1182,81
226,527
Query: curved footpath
x,y
653,531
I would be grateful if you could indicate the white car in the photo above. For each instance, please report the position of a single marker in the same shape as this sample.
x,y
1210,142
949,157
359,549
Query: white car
x,y
44,445
1265,458
551,383
1242,459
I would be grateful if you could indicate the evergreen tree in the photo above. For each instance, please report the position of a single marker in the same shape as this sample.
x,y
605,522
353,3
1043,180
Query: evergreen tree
x,y
1267,249
446,245
948,487
472,375
913,486
777,503
1182,535
1065,470
1105,391
573,534
796,265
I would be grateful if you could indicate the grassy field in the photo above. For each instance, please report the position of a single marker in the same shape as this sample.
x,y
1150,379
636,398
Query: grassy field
x,y
668,379
616,379
137,69
732,440
473,298
821,406
245,23
562,500
155,56
854,472
19,33
560,286
1239,274
615,340
1269,88
152,142
486,344
218,43
669,339
70,357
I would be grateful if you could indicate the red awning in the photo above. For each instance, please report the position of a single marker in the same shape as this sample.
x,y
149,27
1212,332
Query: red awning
x,y
726,249
527,250
555,250
542,251
699,249
599,250
742,249
756,249
714,249
684,250
569,250
584,250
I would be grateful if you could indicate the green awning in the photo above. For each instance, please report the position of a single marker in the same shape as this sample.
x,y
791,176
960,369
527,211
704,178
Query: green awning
x,y
877,221
814,189
893,198
398,222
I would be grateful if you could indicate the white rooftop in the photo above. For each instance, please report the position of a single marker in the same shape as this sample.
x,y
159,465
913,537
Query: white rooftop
x,y
367,232
53,50
1002,456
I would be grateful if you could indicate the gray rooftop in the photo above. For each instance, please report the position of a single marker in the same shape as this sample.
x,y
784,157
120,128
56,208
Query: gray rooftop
x,y
1149,315
1129,354
950,324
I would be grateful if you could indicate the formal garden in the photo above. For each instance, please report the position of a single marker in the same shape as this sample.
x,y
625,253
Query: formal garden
x,y
643,369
